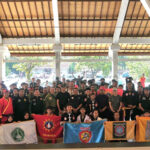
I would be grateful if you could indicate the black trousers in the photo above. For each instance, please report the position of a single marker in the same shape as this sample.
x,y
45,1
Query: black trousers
x,y
131,113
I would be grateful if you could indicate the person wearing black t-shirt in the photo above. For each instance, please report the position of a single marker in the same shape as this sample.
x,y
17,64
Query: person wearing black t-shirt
x,y
130,101
103,105
20,105
37,103
75,100
144,102
68,116
62,98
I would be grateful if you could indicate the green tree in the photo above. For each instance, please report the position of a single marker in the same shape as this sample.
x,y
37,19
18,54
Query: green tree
x,y
136,69
27,67
94,67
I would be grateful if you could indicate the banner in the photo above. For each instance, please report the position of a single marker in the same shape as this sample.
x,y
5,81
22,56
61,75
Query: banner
x,y
84,132
110,91
48,126
119,130
18,133
143,129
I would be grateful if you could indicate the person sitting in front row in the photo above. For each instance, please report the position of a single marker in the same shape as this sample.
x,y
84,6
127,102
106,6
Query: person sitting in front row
x,y
83,118
68,116
50,111
95,116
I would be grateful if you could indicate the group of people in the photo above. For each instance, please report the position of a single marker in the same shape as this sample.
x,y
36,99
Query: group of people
x,y
75,101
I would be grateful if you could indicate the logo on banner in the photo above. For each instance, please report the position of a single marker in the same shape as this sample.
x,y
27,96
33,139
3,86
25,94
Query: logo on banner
x,y
85,136
119,130
17,134
48,125
147,133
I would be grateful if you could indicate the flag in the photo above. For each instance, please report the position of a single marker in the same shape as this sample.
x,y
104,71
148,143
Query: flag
x,y
119,130
143,129
84,132
18,133
110,91
48,126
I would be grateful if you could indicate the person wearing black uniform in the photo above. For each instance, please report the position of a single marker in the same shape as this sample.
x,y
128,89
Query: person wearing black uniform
x,y
40,88
144,102
103,105
1,91
62,99
86,100
93,103
20,105
36,103
75,101
68,116
15,93
82,88
33,83
130,100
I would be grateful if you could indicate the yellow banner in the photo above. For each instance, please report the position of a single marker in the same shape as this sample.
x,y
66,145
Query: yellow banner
x,y
143,129
119,130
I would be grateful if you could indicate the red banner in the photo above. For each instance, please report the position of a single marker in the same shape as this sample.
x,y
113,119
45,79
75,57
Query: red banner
x,y
110,91
48,126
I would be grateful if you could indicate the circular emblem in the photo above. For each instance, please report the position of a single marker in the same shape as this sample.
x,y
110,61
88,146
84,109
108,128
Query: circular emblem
x,y
126,94
48,125
25,100
85,136
17,134
19,100
34,104
119,130
50,98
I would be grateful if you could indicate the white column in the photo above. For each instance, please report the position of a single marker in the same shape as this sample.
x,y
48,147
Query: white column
x,y
57,48
3,52
113,53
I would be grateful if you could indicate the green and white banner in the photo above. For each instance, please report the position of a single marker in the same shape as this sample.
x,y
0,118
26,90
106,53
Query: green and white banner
x,y
18,133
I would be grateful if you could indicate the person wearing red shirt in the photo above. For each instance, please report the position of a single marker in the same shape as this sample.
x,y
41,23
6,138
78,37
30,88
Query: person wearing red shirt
x,y
6,107
142,80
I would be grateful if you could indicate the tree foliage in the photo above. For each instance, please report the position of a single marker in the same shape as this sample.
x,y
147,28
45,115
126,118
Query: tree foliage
x,y
27,67
136,69
94,67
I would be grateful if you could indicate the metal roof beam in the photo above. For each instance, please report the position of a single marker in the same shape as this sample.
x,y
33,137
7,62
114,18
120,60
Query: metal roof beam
x,y
146,4
72,40
56,20
120,20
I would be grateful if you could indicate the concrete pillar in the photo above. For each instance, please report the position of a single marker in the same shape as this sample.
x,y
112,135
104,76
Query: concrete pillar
x,y
113,54
3,52
57,48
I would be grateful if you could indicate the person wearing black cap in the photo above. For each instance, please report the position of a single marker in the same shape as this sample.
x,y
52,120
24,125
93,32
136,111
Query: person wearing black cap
x,y
15,93
21,105
12,86
33,83
102,81
144,102
130,101
114,84
86,100
82,88
62,98
68,116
